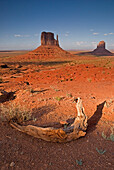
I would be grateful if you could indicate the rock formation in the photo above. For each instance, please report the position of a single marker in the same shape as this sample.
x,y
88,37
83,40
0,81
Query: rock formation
x,y
100,50
49,48
47,38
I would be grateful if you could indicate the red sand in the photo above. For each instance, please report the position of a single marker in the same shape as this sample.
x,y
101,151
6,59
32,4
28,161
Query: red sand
x,y
90,78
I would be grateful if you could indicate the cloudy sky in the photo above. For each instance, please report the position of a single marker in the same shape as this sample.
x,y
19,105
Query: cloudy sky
x,y
80,24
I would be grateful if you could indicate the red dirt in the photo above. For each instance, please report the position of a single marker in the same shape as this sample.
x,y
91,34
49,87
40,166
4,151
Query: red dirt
x,y
37,84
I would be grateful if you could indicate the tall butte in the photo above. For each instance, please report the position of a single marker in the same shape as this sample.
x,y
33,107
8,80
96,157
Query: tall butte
x,y
101,50
49,48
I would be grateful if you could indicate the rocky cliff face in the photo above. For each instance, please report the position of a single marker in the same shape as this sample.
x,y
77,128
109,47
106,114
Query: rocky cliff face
x,y
101,45
47,38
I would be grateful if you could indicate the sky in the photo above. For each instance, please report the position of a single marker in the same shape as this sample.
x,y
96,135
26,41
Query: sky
x,y
80,24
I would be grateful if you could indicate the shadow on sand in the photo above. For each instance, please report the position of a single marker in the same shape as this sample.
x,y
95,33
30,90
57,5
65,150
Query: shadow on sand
x,y
7,96
44,63
93,121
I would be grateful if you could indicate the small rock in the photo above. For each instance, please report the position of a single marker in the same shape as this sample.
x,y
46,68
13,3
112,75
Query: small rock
x,y
27,83
22,153
12,164
93,97
109,163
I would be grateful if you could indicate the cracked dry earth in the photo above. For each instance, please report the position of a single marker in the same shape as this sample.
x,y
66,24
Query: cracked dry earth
x,y
48,89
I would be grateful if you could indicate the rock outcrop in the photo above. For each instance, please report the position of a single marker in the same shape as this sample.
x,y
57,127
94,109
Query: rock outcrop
x,y
101,51
47,38
49,48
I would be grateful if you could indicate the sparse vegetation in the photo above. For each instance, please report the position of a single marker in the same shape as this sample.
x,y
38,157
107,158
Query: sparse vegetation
x,y
59,98
79,162
15,112
100,151
71,79
31,90
55,89
89,79
69,95
111,137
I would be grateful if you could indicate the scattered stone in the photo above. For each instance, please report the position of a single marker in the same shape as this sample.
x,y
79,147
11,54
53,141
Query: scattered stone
x,y
27,83
93,97
12,164
22,153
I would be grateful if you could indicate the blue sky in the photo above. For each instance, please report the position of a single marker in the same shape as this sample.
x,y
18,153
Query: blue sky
x,y
80,24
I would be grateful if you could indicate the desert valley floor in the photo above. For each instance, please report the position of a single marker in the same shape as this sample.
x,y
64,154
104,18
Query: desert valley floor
x,y
48,88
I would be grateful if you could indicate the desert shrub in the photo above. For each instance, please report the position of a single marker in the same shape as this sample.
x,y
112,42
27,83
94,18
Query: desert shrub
x,y
100,151
59,98
31,90
89,79
79,162
71,79
15,112
69,95
111,137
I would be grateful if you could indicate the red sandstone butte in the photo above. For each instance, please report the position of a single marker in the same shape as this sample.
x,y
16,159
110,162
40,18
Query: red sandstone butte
x,y
101,51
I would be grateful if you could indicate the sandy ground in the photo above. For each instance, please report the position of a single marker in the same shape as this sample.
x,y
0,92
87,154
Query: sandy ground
x,y
48,88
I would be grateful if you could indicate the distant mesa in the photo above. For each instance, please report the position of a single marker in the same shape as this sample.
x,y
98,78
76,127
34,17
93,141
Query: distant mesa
x,y
100,50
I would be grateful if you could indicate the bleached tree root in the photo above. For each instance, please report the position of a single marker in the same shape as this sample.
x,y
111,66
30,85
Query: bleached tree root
x,y
72,132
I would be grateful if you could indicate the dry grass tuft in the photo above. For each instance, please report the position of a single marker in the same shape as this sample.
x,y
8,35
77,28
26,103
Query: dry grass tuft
x,y
16,112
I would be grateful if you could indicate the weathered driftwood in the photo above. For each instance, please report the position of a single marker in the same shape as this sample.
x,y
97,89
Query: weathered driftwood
x,y
74,131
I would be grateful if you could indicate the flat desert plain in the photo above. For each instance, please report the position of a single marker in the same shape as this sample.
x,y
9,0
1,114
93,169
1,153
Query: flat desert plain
x,y
48,87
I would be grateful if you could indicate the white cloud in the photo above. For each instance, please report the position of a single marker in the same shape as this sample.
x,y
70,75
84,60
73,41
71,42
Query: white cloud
x,y
111,33
94,44
67,34
19,35
26,35
36,35
79,43
95,33
91,30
